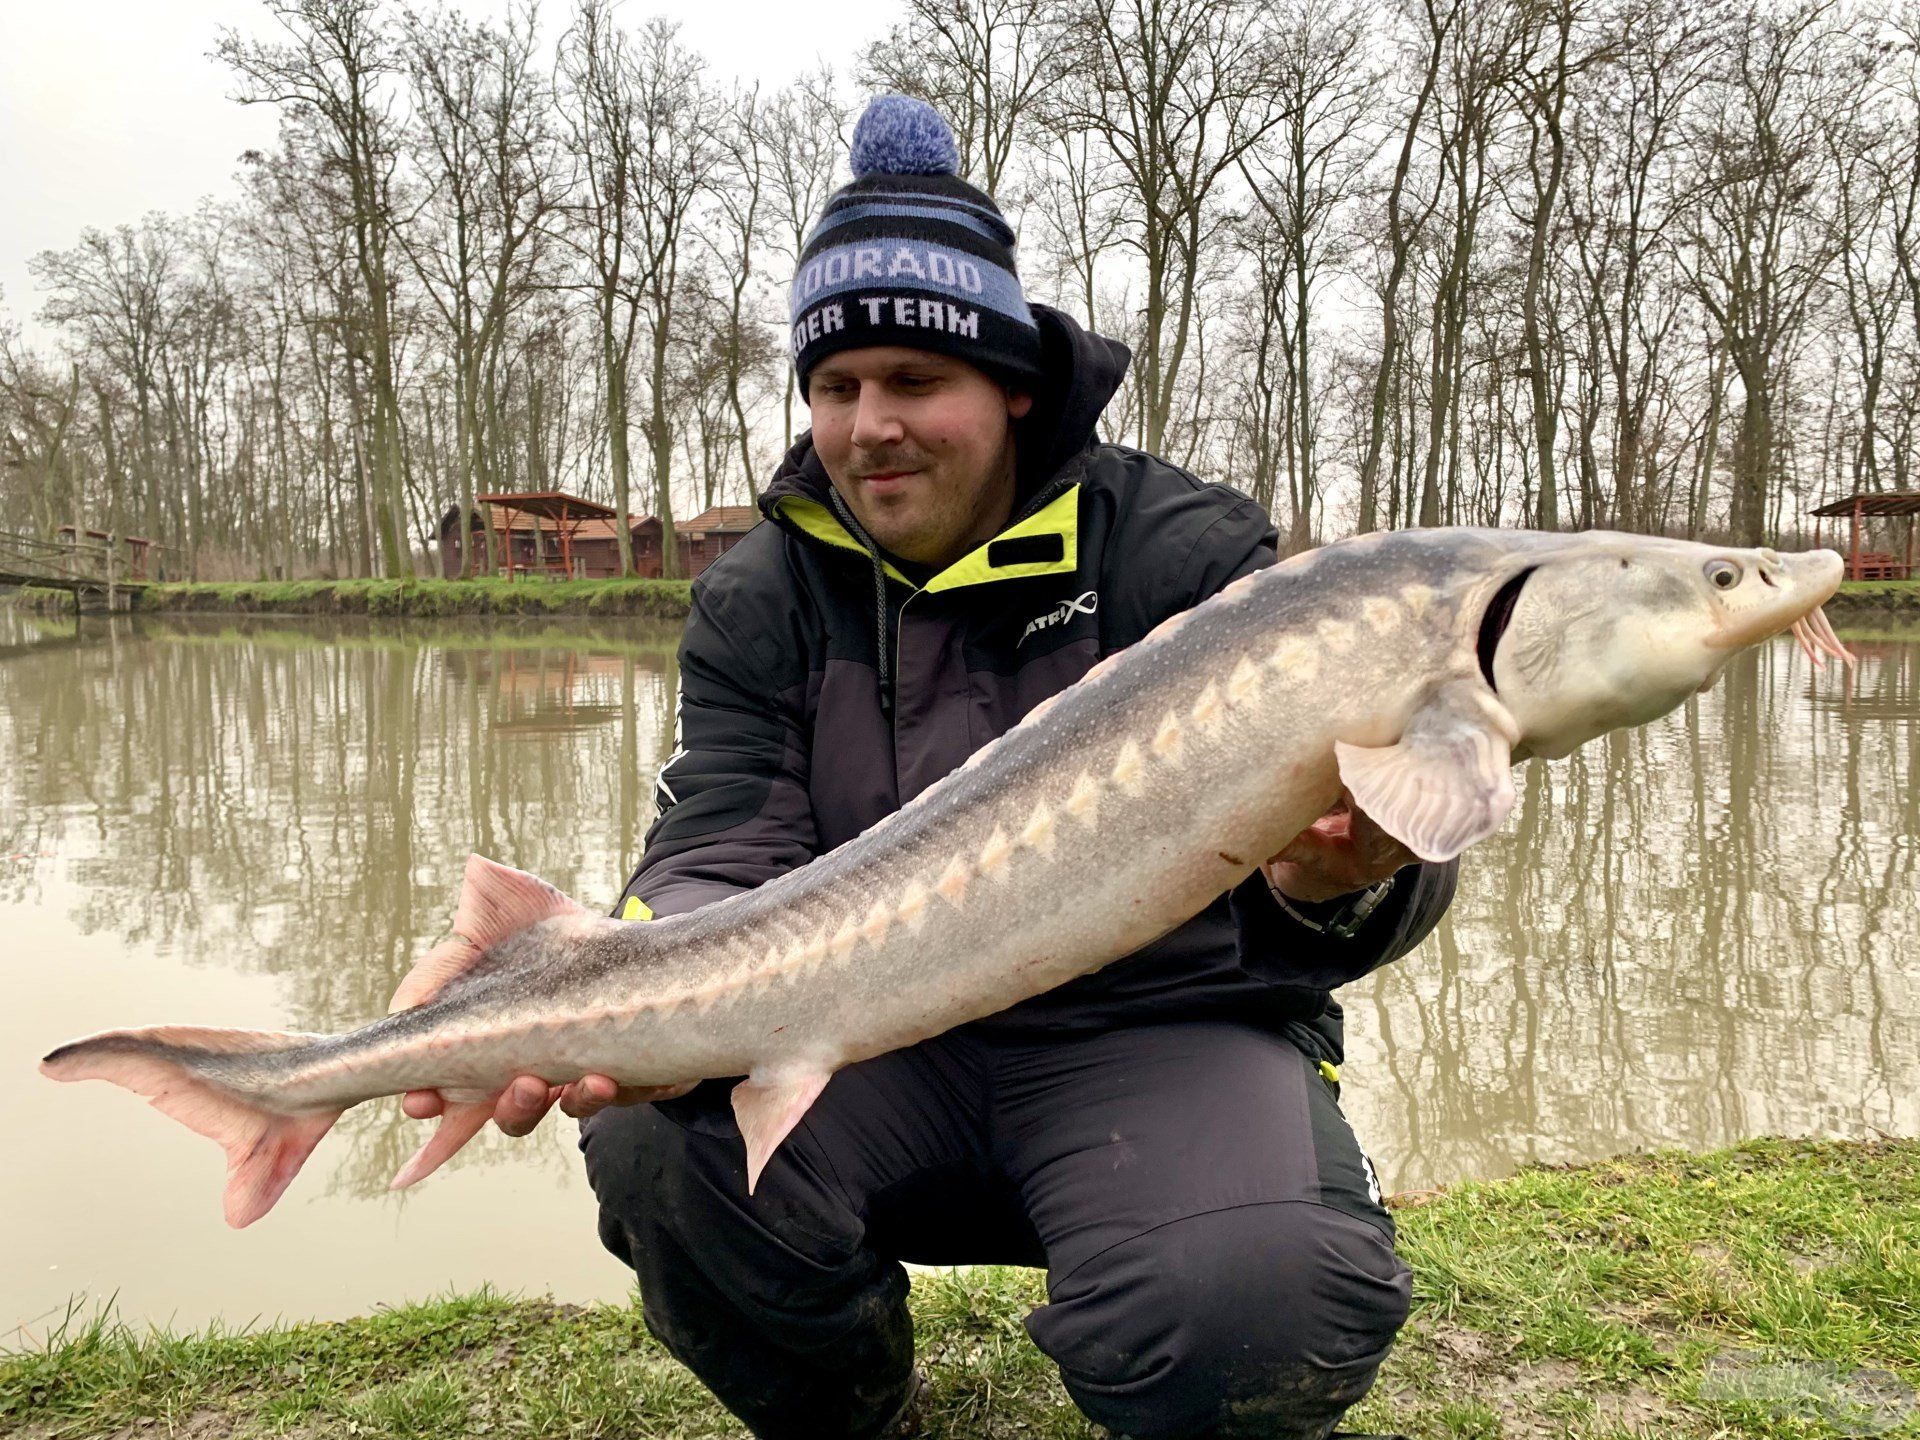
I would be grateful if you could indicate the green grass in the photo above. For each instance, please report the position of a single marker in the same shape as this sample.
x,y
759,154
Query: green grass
x,y
1771,1290
1864,588
1868,598
660,599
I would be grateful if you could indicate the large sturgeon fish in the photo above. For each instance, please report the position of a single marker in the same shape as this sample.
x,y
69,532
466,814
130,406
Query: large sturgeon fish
x,y
1413,668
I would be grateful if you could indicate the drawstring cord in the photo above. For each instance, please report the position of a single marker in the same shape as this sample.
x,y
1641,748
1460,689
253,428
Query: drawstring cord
x,y
881,625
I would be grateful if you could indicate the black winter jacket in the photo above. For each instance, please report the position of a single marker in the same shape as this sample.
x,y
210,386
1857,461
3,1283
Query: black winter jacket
x,y
821,689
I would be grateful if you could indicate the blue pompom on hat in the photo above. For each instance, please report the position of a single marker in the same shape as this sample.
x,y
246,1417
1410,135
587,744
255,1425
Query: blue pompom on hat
x,y
899,135
910,254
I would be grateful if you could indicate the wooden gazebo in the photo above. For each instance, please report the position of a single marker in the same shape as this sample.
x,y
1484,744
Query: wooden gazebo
x,y
1873,564
552,512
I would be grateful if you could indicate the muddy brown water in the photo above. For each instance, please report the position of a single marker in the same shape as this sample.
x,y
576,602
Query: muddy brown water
x,y
1700,931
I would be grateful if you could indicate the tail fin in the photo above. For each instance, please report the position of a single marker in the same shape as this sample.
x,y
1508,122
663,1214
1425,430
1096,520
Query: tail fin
x,y
265,1148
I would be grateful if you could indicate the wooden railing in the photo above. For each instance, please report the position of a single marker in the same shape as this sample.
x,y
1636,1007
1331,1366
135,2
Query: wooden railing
x,y
75,565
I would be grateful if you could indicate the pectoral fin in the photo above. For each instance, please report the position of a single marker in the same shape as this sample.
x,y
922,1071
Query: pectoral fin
x,y
1448,782
767,1110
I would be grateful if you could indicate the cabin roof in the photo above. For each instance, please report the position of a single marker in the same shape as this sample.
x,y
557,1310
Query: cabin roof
x,y
722,518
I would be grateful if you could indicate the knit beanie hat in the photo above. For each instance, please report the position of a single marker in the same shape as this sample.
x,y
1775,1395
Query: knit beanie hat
x,y
910,254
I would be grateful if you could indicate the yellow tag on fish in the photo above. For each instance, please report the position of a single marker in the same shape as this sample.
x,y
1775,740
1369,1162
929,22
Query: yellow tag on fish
x,y
636,909
1329,1072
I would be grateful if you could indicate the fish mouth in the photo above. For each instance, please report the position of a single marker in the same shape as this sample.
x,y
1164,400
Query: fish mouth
x,y
1818,572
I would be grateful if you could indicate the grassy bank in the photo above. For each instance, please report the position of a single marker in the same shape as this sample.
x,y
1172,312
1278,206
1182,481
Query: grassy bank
x,y
1862,599
657,599
660,599
1771,1290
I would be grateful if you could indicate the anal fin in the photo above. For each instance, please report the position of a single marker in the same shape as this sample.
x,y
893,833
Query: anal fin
x,y
458,1124
768,1109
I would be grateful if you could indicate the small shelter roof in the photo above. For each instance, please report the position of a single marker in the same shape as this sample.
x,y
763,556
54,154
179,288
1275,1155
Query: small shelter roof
x,y
1906,503
548,504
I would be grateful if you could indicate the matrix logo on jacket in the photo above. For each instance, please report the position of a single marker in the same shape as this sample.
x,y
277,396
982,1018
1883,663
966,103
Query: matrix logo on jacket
x,y
1083,604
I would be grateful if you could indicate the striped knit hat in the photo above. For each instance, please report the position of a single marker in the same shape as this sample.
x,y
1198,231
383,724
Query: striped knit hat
x,y
910,254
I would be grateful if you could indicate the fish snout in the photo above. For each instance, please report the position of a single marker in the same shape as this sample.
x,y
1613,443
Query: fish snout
x,y
1762,593
1806,581
1812,572
1782,593
1825,569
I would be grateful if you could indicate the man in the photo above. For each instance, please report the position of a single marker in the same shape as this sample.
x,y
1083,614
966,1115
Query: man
x,y
949,546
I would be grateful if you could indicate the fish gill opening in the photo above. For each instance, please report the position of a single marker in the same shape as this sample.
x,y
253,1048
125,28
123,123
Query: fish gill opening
x,y
1494,623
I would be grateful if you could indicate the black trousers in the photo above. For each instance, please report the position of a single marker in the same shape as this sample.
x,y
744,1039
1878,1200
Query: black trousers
x,y
1218,1260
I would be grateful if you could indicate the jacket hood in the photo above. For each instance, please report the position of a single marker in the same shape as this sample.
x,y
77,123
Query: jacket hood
x,y
1080,371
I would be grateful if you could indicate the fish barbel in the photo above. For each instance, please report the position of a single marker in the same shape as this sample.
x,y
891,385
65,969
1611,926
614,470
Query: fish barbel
x,y
1414,668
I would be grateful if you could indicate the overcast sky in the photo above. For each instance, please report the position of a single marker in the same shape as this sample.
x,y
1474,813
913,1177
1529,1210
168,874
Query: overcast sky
x,y
112,108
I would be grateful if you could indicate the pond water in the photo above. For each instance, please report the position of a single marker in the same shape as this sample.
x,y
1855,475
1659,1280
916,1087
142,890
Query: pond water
x,y
1700,931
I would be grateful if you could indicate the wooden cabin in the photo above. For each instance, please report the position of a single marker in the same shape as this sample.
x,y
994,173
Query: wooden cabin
x,y
552,533
710,534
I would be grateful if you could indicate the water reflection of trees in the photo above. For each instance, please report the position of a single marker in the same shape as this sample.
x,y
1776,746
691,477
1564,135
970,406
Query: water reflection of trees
x,y
1689,933
300,802
306,806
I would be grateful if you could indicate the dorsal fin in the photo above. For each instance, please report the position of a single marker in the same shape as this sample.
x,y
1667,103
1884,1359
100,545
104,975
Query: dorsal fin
x,y
497,902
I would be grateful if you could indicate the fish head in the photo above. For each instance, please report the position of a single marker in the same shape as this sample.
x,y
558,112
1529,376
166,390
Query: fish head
x,y
1612,630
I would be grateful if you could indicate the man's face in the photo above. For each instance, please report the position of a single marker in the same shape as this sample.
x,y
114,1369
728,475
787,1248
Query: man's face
x,y
919,445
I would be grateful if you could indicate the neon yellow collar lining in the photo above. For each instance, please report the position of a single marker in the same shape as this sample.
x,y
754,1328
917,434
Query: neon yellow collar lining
x,y
1059,516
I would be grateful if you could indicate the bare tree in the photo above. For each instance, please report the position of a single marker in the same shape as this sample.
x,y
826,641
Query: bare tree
x,y
1175,94
1305,174
1758,244
805,128
1073,214
605,127
1543,84
478,240
1402,231
1627,136
1582,262
332,73
983,64
1481,62
38,411
741,202
673,173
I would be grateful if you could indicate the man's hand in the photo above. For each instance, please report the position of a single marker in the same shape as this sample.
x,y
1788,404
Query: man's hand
x,y
1339,853
524,1103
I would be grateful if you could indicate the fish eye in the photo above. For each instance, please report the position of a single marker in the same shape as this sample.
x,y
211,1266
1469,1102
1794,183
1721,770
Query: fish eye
x,y
1722,574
